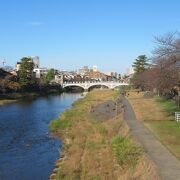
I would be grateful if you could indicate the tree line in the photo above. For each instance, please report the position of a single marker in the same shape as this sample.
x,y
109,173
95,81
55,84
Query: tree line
x,y
161,72
25,79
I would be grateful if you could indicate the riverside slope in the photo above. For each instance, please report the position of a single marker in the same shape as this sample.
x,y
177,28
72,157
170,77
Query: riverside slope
x,y
92,137
167,163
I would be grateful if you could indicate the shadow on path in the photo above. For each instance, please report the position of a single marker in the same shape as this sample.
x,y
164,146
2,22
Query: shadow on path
x,y
168,164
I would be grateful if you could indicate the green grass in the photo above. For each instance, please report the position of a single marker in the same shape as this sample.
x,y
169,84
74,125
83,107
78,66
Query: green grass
x,y
74,113
67,118
58,124
125,151
169,126
168,105
102,129
167,130
169,134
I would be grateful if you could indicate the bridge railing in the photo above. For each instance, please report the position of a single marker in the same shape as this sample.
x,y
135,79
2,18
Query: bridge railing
x,y
94,82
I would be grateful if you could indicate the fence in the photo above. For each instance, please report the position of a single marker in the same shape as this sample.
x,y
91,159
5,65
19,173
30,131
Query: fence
x,y
177,116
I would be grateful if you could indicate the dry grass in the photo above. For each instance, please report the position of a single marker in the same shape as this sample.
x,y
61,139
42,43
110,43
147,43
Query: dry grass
x,y
146,108
3,102
158,120
88,144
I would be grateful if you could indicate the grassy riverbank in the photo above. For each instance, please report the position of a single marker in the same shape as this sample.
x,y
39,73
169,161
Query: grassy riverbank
x,y
13,97
158,115
7,101
96,148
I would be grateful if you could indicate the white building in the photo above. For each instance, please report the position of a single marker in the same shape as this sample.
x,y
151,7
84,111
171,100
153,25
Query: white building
x,y
40,72
95,69
18,65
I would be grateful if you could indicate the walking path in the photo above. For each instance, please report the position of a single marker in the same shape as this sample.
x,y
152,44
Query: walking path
x,y
168,165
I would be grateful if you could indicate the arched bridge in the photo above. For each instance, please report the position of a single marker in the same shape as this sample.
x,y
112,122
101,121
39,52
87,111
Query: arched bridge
x,y
87,85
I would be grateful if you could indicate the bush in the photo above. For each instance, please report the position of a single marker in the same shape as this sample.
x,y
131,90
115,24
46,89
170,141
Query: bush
x,y
125,151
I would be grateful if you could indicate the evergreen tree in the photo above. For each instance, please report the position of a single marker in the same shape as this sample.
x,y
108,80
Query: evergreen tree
x,y
141,64
25,73
50,75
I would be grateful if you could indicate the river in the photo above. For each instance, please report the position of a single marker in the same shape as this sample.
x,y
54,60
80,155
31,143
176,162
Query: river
x,y
27,149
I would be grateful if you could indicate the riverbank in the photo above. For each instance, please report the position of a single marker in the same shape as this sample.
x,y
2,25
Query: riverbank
x,y
4,102
13,97
97,144
157,114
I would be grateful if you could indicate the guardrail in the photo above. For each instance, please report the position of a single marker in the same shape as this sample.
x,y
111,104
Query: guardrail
x,y
177,116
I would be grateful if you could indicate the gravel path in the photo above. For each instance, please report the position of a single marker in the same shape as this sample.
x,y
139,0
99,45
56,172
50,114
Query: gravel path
x,y
169,165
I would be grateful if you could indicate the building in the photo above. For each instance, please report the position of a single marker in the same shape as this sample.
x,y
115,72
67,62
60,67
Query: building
x,y
36,61
18,65
59,78
95,69
83,71
40,72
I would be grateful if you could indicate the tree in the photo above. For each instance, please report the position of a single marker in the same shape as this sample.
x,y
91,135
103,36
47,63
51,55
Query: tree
x,y
141,64
164,74
9,84
25,73
167,60
14,86
50,75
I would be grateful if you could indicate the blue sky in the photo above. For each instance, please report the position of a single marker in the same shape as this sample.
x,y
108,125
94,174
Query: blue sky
x,y
68,34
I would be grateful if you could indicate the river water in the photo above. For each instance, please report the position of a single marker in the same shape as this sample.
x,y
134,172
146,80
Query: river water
x,y
27,150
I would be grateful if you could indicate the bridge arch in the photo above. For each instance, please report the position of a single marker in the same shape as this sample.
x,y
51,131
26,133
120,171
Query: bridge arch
x,y
97,84
74,85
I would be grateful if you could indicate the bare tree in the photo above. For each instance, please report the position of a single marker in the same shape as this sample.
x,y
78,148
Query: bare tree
x,y
164,73
167,60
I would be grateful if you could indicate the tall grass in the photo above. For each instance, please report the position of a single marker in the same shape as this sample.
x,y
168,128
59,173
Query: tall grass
x,y
125,151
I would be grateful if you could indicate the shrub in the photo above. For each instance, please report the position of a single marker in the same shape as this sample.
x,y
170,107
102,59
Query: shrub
x,y
125,151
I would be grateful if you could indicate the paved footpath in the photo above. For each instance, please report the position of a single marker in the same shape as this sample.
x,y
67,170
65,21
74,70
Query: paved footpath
x,y
168,164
